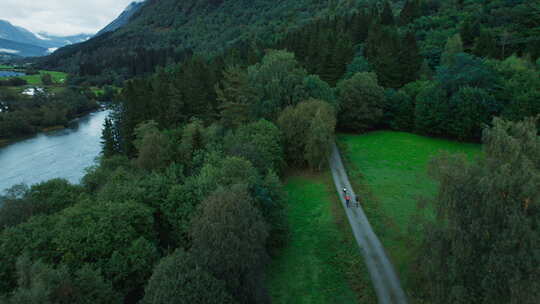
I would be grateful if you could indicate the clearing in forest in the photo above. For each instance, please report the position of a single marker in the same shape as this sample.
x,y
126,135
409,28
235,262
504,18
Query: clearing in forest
x,y
321,262
391,170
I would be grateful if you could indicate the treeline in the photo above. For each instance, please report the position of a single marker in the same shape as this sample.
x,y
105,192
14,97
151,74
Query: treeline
x,y
322,32
450,91
25,115
13,82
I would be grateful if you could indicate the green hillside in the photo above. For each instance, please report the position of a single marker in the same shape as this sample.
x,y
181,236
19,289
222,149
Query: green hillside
x,y
169,31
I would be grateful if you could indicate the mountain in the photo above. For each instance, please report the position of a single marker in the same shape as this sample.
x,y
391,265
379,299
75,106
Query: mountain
x,y
53,41
24,42
14,33
12,48
164,31
124,17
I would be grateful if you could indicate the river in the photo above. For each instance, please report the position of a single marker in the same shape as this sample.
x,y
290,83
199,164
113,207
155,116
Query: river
x,y
58,154
11,74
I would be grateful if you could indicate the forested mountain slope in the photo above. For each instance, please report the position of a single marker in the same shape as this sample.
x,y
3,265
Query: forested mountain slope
x,y
162,31
168,31
123,18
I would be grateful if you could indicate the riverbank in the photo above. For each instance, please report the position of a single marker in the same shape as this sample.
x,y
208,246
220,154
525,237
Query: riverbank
x,y
7,141
61,154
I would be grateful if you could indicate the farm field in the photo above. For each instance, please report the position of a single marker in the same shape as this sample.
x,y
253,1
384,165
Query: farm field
x,y
321,262
392,166
58,77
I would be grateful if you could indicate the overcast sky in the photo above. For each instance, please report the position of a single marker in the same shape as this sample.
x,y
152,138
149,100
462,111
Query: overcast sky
x,y
62,17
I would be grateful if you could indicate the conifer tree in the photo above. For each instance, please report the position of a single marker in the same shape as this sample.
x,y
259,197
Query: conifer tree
x,y
425,73
470,29
410,11
387,16
234,95
409,58
485,45
383,53
360,26
108,139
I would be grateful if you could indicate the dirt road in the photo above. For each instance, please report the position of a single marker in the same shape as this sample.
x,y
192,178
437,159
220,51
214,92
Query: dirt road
x,y
383,275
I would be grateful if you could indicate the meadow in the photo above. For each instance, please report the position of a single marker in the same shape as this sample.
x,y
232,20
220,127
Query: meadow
x,y
321,262
34,80
390,168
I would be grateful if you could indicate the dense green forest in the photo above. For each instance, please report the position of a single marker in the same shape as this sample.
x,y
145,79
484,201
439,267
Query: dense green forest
x,y
23,115
186,203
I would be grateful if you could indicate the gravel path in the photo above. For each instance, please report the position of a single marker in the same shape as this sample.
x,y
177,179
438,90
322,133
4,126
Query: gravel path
x,y
384,278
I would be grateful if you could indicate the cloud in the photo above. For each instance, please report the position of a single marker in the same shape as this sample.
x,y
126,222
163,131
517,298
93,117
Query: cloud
x,y
62,17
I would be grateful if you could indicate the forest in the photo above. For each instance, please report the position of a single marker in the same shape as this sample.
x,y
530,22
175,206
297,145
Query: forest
x,y
186,203
22,115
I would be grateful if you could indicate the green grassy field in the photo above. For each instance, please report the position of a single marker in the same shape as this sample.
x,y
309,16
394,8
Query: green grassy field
x,y
393,168
2,66
321,263
58,77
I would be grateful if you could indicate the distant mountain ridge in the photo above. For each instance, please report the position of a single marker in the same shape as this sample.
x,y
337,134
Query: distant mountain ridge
x,y
124,17
22,42
13,48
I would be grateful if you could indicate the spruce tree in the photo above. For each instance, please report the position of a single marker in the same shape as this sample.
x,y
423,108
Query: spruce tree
x,y
360,26
387,16
486,45
425,73
410,11
383,53
410,59
108,139
470,29
234,95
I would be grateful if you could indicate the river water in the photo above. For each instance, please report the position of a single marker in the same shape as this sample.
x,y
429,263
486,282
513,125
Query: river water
x,y
64,153
10,74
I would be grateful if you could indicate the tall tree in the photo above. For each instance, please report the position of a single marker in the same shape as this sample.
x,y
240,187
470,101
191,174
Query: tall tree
x,y
229,239
320,139
453,46
108,139
235,96
361,102
469,30
387,15
486,45
410,11
409,58
483,246
383,50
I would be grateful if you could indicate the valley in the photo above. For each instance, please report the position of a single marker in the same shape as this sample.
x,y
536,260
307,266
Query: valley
x,y
217,173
